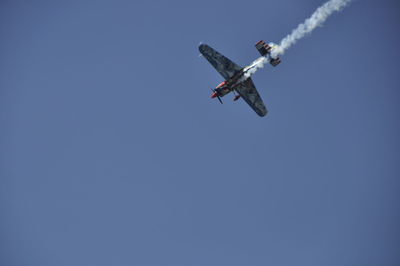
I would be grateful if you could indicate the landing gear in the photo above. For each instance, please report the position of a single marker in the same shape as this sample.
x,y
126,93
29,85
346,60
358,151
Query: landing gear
x,y
236,97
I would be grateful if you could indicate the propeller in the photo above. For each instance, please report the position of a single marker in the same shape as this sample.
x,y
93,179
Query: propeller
x,y
219,98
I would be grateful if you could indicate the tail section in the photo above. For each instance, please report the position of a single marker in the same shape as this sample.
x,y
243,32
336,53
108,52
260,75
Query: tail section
x,y
265,49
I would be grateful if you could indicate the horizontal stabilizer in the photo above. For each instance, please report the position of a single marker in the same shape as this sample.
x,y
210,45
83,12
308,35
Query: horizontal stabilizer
x,y
263,48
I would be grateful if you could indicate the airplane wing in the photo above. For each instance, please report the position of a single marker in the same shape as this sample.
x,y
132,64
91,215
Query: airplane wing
x,y
248,92
223,65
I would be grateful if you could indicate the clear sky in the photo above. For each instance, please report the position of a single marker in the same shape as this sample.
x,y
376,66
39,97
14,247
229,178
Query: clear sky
x,y
113,153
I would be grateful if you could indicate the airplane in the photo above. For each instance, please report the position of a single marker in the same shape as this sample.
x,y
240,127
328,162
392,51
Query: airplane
x,y
237,79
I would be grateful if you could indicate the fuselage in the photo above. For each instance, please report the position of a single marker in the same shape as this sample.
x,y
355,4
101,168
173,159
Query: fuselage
x,y
229,85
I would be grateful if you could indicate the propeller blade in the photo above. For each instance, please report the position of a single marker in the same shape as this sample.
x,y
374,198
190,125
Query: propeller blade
x,y
219,98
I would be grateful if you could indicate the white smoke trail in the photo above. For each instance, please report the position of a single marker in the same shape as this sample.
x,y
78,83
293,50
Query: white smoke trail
x,y
317,18
257,64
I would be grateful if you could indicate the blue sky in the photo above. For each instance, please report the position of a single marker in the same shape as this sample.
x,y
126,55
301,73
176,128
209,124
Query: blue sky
x,y
112,152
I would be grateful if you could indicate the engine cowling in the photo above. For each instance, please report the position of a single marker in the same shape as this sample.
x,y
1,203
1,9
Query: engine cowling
x,y
221,84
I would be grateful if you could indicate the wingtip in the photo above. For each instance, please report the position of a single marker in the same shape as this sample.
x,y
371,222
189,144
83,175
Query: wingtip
x,y
262,113
202,47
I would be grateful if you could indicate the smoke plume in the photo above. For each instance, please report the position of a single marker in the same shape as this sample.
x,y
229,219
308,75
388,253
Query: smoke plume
x,y
316,19
251,69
